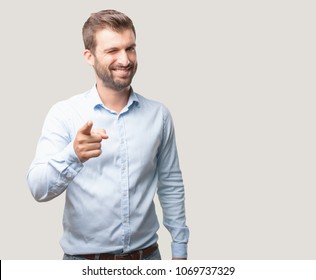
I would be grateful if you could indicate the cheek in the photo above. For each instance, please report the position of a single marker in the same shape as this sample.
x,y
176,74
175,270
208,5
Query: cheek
x,y
133,57
105,62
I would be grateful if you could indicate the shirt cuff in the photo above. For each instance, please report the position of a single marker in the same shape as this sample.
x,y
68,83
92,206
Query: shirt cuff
x,y
67,163
72,159
179,250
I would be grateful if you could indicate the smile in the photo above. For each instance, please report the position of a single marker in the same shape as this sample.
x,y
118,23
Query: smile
x,y
122,71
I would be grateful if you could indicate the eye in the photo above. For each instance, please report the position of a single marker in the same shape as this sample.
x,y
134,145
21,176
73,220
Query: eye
x,y
131,49
111,51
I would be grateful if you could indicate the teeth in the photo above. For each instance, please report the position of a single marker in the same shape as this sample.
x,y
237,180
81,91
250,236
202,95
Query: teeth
x,y
123,69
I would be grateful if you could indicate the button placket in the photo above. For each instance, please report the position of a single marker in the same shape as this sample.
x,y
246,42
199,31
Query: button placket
x,y
124,184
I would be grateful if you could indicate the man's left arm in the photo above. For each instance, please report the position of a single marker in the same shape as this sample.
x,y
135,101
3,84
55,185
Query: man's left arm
x,y
171,191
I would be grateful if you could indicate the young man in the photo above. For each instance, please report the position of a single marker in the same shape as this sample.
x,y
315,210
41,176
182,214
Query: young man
x,y
111,149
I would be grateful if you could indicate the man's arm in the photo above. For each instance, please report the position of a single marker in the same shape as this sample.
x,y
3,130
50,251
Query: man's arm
x,y
55,163
59,158
171,191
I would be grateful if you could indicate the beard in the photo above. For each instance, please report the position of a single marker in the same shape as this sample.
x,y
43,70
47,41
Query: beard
x,y
108,79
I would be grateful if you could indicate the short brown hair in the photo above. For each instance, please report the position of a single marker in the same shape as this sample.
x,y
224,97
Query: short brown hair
x,y
105,19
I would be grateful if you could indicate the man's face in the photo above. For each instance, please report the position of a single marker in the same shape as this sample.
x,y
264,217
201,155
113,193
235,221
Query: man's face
x,y
115,60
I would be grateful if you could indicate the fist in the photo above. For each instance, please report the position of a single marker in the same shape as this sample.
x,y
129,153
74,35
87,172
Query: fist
x,y
87,143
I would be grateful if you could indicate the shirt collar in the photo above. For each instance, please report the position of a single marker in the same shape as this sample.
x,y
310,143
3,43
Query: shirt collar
x,y
95,100
133,99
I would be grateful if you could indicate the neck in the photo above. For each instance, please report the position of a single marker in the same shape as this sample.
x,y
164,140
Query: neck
x,y
113,99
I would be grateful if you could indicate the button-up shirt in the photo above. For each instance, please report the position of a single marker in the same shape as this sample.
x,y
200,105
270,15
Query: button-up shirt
x,y
109,203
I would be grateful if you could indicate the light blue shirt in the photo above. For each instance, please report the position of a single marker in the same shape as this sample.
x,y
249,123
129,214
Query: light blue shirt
x,y
109,199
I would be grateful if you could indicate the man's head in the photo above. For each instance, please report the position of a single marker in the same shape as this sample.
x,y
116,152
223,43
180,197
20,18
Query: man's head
x,y
109,38
105,19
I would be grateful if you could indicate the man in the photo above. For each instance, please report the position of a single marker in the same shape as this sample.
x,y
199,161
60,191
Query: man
x,y
111,149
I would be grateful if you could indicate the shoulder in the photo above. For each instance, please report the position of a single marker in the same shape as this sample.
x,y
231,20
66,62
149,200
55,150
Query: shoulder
x,y
153,106
72,103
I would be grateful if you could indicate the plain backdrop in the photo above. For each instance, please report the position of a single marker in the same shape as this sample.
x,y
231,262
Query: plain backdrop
x,y
239,79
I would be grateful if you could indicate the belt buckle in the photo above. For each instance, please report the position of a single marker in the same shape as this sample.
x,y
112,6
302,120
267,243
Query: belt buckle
x,y
121,257
138,255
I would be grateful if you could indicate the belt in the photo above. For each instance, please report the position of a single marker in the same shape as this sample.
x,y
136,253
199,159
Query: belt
x,y
135,255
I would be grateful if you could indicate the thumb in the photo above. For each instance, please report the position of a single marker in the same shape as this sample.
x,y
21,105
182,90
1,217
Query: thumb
x,y
86,129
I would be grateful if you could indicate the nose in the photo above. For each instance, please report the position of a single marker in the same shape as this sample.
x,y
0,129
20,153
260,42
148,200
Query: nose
x,y
123,59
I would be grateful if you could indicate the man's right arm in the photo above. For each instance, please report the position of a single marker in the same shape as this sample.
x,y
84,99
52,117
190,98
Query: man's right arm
x,y
55,163
59,157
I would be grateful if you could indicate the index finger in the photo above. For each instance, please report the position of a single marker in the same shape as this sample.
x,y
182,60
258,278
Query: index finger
x,y
86,129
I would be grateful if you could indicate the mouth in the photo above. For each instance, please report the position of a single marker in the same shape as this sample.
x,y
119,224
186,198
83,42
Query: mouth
x,y
122,71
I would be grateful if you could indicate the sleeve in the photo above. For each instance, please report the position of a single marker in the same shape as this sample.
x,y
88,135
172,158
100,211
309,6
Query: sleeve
x,y
171,190
55,164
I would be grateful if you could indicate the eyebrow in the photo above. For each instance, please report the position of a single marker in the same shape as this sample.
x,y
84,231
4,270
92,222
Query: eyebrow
x,y
115,48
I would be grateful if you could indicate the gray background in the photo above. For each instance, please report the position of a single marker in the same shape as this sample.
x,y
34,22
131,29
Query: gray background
x,y
239,79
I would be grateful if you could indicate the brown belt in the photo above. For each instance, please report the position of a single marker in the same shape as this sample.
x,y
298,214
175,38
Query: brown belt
x,y
135,255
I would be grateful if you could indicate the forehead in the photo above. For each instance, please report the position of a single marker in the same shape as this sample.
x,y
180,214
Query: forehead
x,y
107,38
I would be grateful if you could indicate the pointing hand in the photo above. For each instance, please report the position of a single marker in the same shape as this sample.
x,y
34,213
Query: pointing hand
x,y
87,143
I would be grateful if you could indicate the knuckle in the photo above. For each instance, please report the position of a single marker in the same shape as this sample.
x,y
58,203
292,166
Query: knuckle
x,y
98,152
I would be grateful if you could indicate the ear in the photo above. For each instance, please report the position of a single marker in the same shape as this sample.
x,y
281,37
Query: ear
x,y
88,55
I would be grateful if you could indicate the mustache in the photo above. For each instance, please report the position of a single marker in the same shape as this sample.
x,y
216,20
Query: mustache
x,y
121,67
